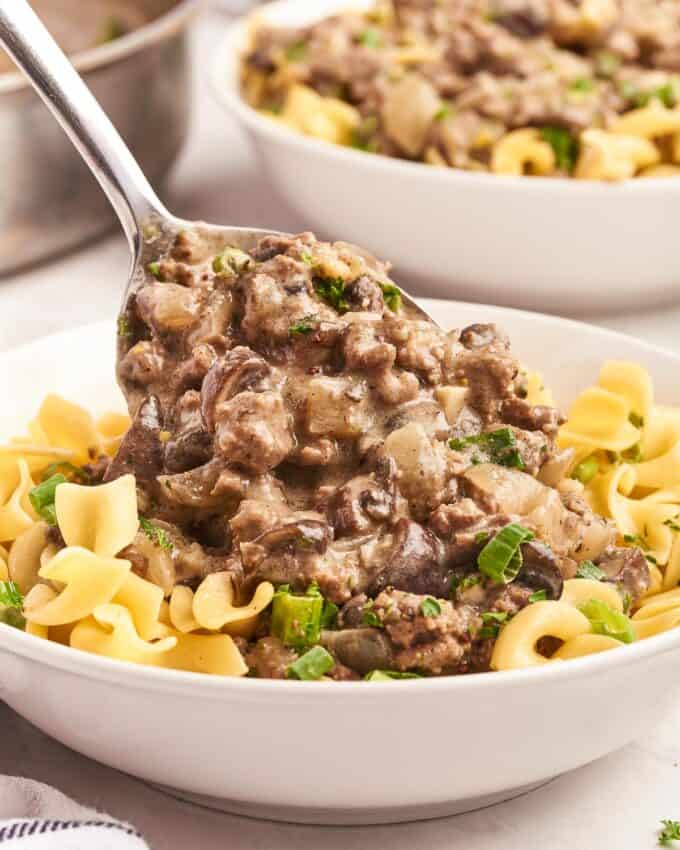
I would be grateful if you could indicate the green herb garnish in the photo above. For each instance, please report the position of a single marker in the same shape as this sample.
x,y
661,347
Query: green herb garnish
x,y
583,84
493,620
564,145
586,470
391,296
296,619
296,52
538,596
500,445
672,523
155,533
329,614
231,261
501,558
312,665
587,569
42,498
481,536
306,257
669,833
429,607
10,595
389,676
123,326
155,270
332,290
370,38
606,621
443,112
369,617
636,420
69,470
305,326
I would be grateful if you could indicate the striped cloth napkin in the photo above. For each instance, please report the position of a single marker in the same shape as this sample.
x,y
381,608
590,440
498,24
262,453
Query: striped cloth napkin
x,y
34,816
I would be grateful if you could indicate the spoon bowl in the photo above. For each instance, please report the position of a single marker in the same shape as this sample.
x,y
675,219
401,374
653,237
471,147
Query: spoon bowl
x,y
149,227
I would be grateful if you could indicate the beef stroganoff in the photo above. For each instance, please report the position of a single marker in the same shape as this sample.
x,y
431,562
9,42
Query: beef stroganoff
x,y
315,482
585,89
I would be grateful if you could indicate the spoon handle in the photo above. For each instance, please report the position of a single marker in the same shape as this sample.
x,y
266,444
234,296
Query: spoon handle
x,y
57,82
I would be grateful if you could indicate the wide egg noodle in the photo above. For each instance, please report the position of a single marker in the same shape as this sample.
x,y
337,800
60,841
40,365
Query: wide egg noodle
x,y
213,604
16,512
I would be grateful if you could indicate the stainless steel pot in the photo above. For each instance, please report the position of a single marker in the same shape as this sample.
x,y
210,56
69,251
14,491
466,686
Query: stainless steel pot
x,y
49,202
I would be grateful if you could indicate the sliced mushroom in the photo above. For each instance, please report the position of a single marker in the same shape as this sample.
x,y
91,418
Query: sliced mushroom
x,y
141,451
540,569
188,450
412,561
627,567
239,370
361,649
304,535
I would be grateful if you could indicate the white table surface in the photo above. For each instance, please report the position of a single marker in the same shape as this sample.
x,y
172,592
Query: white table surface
x,y
616,802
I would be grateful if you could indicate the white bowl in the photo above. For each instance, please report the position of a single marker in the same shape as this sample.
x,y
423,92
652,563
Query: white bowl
x,y
556,244
326,752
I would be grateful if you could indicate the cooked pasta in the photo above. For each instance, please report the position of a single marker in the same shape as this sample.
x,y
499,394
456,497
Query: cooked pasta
x,y
585,90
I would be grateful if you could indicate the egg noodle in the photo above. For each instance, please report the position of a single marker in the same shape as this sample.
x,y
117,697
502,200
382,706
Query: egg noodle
x,y
85,594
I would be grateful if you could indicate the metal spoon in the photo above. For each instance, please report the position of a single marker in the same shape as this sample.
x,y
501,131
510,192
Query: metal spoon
x,y
148,226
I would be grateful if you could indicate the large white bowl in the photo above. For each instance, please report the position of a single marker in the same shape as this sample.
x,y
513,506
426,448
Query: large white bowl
x,y
535,242
328,752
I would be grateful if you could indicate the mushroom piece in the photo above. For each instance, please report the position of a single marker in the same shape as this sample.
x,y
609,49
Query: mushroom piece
x,y
540,569
627,567
362,650
188,450
239,370
412,561
141,451
305,535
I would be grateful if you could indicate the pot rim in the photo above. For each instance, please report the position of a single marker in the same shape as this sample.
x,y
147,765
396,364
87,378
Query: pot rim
x,y
119,49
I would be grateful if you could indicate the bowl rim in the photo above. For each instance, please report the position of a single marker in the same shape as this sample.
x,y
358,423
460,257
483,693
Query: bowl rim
x,y
120,48
225,84
79,662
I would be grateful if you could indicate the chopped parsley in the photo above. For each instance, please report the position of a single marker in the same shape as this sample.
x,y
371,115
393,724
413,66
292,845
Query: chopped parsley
x,y
636,420
586,470
607,63
305,326
445,111
501,558
311,666
123,326
306,257
155,533
636,540
606,621
389,676
499,445
672,523
391,296
669,833
296,52
10,595
370,618
370,38
538,596
429,607
587,569
633,454
155,270
582,84
332,290
492,620
564,145
42,498
231,261
460,584
329,614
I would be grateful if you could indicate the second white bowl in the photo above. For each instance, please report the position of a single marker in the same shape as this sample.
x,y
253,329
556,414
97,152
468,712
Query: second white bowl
x,y
552,243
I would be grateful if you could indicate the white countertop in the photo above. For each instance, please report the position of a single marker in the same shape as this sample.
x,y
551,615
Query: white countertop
x,y
616,802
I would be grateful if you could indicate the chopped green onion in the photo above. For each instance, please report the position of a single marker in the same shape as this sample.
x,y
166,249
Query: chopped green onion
x,y
296,52
564,145
332,290
68,470
500,445
304,326
606,621
329,614
306,257
389,676
296,620
155,270
501,558
669,833
586,470
10,595
392,296
370,38
155,534
231,261
13,617
429,607
42,498
481,536
587,569
312,665
123,326
538,596
370,618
